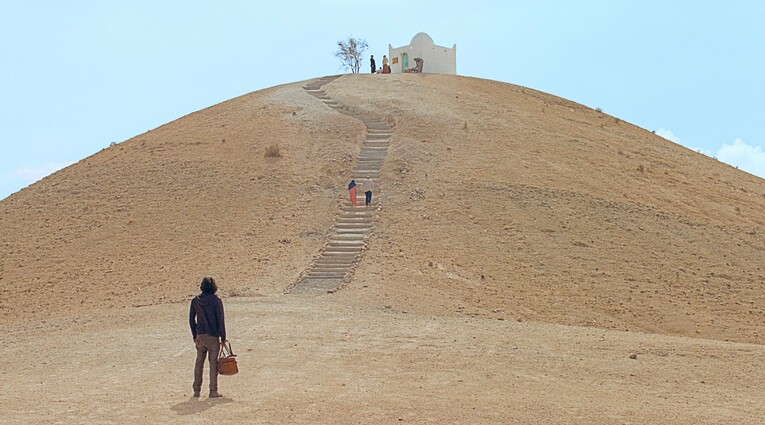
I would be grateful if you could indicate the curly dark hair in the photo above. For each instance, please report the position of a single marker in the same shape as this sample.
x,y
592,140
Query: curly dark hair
x,y
208,286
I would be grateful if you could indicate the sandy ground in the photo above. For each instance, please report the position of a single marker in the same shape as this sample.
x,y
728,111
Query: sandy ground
x,y
525,246
317,360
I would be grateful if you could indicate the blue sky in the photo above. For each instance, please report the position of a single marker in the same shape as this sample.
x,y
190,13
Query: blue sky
x,y
79,75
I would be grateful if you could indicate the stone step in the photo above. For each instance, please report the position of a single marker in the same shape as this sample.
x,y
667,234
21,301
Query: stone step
x,y
379,130
350,234
336,262
337,269
349,231
338,256
365,208
353,228
359,224
346,225
347,237
359,209
346,247
335,253
378,136
361,217
354,219
357,215
320,275
336,259
344,232
329,268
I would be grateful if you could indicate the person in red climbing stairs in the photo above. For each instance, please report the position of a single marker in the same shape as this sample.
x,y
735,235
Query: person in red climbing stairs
x,y
366,187
352,192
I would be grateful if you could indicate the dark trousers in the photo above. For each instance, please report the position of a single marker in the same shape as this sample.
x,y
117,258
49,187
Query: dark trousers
x,y
369,197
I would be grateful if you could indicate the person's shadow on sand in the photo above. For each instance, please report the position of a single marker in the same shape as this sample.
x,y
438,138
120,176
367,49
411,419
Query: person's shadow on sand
x,y
194,406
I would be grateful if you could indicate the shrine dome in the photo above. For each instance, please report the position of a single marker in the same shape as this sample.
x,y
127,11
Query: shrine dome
x,y
421,38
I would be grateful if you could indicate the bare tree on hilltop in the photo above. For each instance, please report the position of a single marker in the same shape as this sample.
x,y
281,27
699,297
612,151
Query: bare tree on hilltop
x,y
349,51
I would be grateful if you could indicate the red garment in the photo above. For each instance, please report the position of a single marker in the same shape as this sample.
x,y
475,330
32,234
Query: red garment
x,y
352,192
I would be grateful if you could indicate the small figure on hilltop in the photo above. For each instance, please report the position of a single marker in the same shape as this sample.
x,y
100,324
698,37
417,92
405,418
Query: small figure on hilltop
x,y
208,328
372,64
352,192
386,69
366,187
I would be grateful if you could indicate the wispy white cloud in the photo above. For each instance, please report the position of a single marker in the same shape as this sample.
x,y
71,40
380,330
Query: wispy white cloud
x,y
29,175
750,158
669,135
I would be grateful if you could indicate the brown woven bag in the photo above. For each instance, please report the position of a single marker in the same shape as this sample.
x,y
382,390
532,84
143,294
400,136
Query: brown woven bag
x,y
227,360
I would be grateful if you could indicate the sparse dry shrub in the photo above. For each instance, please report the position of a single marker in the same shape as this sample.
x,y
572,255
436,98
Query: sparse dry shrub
x,y
641,168
273,151
465,125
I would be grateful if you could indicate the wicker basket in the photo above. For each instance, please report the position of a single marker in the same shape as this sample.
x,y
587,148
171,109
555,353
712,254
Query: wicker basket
x,y
227,360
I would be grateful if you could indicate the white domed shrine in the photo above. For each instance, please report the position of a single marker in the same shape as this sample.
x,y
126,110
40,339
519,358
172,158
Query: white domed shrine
x,y
435,59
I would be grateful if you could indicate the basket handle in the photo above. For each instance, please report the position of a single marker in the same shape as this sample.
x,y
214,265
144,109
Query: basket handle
x,y
224,348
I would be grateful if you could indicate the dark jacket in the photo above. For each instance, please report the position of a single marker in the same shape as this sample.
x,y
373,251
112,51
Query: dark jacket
x,y
206,316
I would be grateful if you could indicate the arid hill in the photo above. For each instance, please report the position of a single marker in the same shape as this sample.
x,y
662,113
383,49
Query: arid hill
x,y
517,238
497,201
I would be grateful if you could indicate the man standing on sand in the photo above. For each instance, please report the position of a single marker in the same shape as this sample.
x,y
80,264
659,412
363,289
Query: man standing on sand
x,y
372,64
366,187
208,328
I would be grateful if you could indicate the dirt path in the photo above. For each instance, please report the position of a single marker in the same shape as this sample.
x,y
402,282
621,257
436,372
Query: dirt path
x,y
308,359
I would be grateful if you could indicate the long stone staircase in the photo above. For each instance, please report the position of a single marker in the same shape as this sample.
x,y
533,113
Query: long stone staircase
x,y
347,240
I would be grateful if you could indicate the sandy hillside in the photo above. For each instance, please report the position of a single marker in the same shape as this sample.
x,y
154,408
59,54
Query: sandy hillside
x,y
508,218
